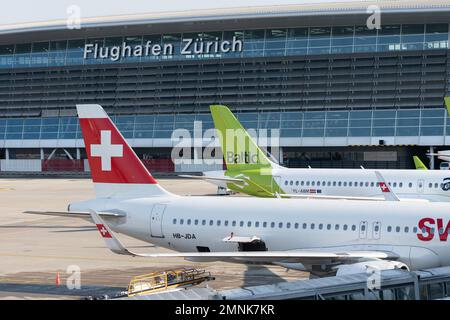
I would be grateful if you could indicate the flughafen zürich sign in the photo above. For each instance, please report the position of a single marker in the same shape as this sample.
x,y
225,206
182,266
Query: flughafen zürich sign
x,y
189,46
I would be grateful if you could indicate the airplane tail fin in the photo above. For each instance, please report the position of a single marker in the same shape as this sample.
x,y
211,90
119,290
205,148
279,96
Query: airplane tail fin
x,y
115,169
240,151
447,104
419,164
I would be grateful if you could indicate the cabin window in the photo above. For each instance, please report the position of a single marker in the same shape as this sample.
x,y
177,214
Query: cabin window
x,y
188,222
288,225
345,183
320,226
323,183
313,226
339,183
410,184
257,224
430,185
225,223
372,184
318,183
218,223
313,183
389,229
334,183
307,183
296,226
395,185
196,221
397,229
286,183
400,185
353,227
336,227
302,183
272,224
211,222
436,185
377,228
280,225
345,227
304,226
415,229
181,221
350,184
249,224
241,224
329,183
356,183
291,183
367,183
328,226
264,224
406,229
361,184
203,222
174,221
296,183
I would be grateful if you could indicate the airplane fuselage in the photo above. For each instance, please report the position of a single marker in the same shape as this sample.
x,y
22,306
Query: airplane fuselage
x,y
190,224
432,185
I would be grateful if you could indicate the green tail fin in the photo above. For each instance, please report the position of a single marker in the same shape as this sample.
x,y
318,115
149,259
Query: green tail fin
x,y
419,164
447,104
239,149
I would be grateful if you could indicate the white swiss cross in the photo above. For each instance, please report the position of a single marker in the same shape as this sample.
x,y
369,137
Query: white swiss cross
x,y
384,187
105,150
103,231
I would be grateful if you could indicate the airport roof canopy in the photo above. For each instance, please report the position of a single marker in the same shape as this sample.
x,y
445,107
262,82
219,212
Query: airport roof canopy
x,y
336,13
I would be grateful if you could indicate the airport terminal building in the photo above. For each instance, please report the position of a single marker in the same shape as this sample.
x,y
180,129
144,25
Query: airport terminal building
x,y
340,92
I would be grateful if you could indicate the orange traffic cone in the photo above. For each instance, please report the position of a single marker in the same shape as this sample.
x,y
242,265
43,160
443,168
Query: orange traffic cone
x,y
58,280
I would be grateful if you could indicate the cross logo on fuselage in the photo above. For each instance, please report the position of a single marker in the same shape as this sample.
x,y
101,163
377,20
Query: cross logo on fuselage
x,y
105,150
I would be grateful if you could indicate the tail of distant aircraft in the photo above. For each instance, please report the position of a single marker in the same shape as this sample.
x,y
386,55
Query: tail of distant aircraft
x,y
419,164
447,104
240,151
115,169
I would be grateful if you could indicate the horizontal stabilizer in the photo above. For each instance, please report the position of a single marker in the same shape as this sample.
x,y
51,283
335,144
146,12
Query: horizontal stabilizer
x,y
233,180
80,214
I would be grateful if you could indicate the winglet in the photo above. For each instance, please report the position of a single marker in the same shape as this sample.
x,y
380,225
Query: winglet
x,y
388,194
419,164
108,235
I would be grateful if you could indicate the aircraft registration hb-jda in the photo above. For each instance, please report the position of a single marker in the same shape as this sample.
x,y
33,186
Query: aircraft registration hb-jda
x,y
324,237
250,171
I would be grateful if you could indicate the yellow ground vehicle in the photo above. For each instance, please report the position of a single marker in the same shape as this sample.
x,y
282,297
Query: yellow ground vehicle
x,y
168,279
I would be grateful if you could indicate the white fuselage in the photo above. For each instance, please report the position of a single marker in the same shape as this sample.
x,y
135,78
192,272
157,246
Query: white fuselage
x,y
421,184
189,224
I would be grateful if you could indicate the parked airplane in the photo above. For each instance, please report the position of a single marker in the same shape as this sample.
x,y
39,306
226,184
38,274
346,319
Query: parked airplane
x,y
321,236
250,171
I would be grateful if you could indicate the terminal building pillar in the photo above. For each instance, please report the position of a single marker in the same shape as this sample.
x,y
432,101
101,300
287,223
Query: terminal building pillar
x,y
431,158
7,154
78,154
42,154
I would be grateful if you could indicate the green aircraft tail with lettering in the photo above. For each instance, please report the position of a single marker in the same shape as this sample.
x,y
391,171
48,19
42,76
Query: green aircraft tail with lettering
x,y
244,159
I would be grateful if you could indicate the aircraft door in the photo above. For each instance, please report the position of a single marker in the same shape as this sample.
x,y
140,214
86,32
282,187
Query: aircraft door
x,y
376,230
363,230
420,186
156,221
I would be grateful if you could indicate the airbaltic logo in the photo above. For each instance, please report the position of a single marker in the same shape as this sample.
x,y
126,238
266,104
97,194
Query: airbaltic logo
x,y
189,46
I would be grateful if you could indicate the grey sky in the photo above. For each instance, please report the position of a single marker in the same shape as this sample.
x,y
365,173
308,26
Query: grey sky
x,y
20,11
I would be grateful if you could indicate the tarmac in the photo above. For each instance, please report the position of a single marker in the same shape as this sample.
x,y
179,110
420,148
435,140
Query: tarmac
x,y
34,249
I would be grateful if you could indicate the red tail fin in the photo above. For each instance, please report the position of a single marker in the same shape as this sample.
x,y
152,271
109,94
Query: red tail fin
x,y
111,159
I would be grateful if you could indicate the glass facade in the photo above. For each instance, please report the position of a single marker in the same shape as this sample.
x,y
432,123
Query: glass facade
x,y
414,122
256,43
